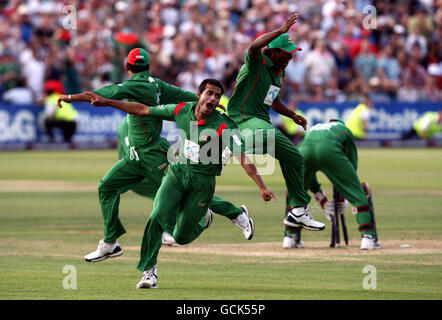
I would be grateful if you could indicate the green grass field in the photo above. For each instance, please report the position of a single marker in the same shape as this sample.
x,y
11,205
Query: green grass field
x,y
50,218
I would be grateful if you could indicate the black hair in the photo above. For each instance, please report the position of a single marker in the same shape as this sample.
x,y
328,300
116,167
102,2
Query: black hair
x,y
213,82
136,69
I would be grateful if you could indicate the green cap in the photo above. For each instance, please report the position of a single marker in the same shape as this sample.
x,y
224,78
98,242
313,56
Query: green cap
x,y
285,43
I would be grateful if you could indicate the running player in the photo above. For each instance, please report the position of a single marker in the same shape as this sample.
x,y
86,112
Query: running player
x,y
240,216
189,183
146,158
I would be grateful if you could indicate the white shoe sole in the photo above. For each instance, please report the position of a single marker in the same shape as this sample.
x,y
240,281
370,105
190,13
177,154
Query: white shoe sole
x,y
146,286
252,223
374,248
113,255
291,224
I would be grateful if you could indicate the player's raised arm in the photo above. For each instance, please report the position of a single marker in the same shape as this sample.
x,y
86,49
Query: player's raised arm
x,y
265,39
250,169
134,108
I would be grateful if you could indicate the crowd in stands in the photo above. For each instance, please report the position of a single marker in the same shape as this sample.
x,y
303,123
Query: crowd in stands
x,y
390,50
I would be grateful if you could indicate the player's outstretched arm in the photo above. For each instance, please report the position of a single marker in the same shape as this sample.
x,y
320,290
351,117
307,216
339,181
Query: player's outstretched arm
x,y
72,97
134,108
265,39
250,169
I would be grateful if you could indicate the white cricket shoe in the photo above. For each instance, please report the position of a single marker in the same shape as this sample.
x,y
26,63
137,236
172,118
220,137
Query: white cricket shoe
x,y
104,251
149,279
291,243
208,218
369,242
299,217
245,223
168,240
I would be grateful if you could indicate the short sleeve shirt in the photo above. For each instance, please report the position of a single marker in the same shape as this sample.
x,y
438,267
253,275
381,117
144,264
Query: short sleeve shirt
x,y
145,89
203,141
258,84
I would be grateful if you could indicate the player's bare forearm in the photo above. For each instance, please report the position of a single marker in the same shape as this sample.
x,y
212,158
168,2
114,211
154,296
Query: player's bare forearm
x,y
265,39
134,108
73,97
281,108
250,169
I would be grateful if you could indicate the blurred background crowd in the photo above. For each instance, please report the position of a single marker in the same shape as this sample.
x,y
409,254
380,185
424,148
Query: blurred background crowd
x,y
392,54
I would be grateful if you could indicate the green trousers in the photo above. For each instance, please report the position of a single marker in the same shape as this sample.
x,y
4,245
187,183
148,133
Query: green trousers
x,y
143,175
327,156
183,195
262,138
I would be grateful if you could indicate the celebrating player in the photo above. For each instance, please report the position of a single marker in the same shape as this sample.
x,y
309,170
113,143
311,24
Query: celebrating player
x,y
257,90
189,183
146,159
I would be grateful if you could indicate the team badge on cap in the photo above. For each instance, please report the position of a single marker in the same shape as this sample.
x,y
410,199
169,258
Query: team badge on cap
x,y
285,43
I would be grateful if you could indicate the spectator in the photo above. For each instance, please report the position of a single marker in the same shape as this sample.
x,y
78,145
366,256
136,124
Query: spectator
x,y
423,20
344,65
415,74
62,118
376,92
20,94
319,73
177,32
9,71
416,37
430,91
33,69
389,70
407,92
295,74
332,93
366,62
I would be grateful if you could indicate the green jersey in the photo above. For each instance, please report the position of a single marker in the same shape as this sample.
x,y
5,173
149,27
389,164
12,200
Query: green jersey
x,y
203,141
257,85
143,88
333,133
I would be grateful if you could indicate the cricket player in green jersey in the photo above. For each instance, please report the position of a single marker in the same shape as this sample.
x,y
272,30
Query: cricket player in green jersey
x,y
257,90
240,216
189,183
330,148
146,158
